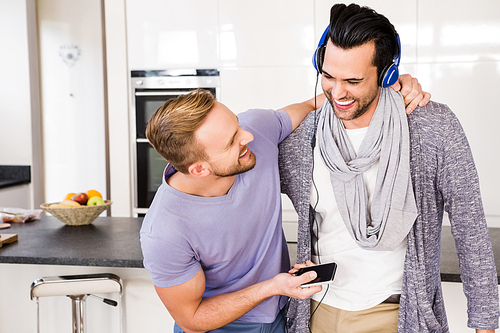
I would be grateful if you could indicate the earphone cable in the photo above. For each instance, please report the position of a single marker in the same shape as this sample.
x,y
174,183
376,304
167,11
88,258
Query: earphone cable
x,y
315,221
317,306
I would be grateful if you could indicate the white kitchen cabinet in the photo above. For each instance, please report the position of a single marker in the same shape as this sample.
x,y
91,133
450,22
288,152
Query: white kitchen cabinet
x,y
15,196
172,34
143,310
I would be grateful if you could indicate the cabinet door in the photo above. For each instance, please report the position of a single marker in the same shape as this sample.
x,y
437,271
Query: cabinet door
x,y
172,34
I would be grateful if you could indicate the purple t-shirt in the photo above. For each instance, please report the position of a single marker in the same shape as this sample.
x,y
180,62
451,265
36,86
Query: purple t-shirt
x,y
237,239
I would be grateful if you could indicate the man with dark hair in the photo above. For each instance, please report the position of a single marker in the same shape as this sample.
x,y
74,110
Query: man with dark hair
x,y
370,186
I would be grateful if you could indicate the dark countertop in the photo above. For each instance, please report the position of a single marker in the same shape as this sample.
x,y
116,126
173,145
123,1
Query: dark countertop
x,y
108,241
114,242
11,175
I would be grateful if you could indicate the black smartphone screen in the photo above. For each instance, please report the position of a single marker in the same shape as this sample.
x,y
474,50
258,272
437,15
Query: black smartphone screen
x,y
326,273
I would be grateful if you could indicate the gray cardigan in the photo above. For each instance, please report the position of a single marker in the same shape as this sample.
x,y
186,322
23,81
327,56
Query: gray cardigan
x,y
444,178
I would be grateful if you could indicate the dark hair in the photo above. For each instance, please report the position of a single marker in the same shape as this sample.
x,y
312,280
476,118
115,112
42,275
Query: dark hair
x,y
352,26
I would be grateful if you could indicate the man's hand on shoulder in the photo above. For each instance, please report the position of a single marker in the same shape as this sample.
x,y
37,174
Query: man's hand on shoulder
x,y
412,92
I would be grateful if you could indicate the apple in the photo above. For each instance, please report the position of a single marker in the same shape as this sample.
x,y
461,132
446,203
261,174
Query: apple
x,y
81,198
95,201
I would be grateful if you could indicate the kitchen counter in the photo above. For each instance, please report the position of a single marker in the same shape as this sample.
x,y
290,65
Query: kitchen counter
x,y
114,242
11,175
108,241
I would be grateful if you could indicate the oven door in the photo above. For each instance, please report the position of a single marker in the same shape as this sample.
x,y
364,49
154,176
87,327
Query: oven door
x,y
146,104
150,167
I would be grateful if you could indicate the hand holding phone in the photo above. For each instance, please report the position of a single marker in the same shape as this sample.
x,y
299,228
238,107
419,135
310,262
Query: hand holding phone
x,y
325,272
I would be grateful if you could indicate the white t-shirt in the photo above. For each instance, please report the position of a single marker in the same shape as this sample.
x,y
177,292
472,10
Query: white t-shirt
x,y
364,278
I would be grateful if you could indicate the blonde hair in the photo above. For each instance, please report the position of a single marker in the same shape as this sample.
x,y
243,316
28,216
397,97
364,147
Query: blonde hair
x,y
171,128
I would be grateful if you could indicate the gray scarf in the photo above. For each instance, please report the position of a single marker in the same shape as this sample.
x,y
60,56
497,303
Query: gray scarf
x,y
385,224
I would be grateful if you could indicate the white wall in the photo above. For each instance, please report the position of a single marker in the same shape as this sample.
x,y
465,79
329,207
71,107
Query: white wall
x,y
72,90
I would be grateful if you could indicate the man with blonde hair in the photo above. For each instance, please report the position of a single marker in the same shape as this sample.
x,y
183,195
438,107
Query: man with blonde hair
x,y
212,238
214,255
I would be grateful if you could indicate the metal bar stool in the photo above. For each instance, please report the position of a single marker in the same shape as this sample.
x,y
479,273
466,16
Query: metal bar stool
x,y
78,287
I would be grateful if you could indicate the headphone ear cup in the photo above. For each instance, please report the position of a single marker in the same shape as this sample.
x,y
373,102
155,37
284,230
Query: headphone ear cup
x,y
319,54
388,76
320,57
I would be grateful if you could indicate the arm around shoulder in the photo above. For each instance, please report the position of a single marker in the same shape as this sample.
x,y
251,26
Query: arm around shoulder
x,y
299,111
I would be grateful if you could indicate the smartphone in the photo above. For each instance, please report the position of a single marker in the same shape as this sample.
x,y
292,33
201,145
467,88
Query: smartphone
x,y
326,273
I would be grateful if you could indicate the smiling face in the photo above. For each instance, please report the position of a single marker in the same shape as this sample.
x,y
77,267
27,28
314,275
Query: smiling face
x,y
349,82
225,142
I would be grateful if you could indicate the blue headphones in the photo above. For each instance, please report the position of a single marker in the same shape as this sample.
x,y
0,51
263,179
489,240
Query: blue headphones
x,y
388,76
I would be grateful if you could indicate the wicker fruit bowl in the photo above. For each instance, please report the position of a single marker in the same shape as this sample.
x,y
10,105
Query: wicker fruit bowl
x,y
75,216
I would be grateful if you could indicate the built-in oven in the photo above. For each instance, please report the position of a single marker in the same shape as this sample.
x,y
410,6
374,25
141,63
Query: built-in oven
x,y
150,90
